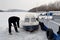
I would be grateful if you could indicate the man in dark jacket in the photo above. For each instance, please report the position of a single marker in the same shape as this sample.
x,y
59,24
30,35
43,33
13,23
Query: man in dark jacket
x,y
15,21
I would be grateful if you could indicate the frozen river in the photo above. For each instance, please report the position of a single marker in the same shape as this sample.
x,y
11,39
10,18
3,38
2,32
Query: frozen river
x,y
23,35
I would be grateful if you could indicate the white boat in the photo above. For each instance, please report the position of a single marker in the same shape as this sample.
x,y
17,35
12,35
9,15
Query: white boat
x,y
30,23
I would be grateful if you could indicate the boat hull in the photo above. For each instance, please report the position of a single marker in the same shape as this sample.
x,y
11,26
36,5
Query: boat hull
x,y
31,28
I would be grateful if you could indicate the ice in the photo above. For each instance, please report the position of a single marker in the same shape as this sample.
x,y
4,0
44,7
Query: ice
x,y
22,35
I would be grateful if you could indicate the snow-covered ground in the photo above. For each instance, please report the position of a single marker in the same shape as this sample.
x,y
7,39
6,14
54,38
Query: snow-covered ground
x,y
22,35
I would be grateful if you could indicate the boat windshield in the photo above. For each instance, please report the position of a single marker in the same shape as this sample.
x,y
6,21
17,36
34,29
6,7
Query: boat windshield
x,y
26,19
33,20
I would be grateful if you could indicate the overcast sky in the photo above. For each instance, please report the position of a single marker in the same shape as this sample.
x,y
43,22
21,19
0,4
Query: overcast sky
x,y
23,4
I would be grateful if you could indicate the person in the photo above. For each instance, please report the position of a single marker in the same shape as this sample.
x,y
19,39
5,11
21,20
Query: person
x,y
43,27
15,21
41,24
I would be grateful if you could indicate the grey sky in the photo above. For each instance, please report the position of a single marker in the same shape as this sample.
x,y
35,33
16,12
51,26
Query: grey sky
x,y
23,4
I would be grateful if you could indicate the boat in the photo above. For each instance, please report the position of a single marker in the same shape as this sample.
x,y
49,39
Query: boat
x,y
30,23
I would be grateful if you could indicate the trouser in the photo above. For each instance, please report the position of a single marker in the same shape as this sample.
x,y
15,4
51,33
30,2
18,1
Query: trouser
x,y
14,27
18,24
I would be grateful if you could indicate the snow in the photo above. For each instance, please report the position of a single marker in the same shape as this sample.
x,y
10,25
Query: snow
x,y
22,35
